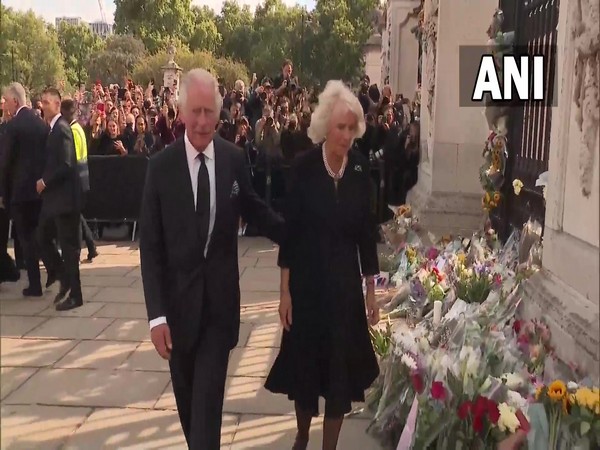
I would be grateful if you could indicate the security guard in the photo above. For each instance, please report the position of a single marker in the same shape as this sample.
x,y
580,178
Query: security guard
x,y
68,109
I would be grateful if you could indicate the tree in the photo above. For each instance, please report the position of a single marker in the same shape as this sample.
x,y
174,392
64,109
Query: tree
x,y
33,59
342,31
231,71
150,67
235,24
78,45
205,35
117,61
154,21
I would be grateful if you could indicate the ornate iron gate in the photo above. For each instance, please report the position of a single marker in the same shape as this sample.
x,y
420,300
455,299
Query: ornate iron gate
x,y
535,25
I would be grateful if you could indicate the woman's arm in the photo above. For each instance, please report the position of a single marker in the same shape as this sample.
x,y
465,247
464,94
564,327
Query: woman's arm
x,y
284,286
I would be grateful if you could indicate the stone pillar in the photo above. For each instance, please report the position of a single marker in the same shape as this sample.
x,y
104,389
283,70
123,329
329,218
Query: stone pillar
x,y
565,292
448,193
372,56
402,48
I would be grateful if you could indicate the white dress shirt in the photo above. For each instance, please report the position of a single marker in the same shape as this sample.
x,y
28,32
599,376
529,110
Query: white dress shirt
x,y
53,121
194,167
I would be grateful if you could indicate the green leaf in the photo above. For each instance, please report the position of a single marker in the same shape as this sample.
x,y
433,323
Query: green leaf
x,y
584,428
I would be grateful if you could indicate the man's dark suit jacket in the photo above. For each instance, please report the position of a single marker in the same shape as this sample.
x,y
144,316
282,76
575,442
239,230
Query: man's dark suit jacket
x,y
63,192
175,273
23,156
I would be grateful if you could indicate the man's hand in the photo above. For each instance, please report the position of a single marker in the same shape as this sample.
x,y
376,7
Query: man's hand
x,y
372,308
161,338
40,186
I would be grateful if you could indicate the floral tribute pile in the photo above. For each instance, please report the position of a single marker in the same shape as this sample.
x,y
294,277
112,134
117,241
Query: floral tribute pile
x,y
461,372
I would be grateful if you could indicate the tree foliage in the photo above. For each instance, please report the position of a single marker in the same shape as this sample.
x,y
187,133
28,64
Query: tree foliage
x,y
32,58
150,67
78,45
154,21
116,62
325,43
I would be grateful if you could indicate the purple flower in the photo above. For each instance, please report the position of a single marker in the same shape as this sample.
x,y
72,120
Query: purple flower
x,y
432,253
416,288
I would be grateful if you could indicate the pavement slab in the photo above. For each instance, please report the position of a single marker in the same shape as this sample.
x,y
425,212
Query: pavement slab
x,y
91,379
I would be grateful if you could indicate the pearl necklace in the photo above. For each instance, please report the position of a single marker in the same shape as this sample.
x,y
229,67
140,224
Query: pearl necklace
x,y
332,174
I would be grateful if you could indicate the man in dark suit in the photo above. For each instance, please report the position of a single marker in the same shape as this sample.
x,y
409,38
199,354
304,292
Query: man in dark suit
x,y
195,192
8,269
24,157
60,188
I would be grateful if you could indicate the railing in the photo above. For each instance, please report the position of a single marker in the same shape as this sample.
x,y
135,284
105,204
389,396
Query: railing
x,y
535,24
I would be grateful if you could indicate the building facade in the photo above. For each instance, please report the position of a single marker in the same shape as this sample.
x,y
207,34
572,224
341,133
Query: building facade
x,y
101,28
69,20
565,291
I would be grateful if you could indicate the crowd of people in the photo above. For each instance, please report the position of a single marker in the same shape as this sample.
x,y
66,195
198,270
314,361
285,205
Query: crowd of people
x,y
267,120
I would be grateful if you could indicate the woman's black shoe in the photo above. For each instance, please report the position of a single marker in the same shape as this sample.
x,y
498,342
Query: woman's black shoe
x,y
69,303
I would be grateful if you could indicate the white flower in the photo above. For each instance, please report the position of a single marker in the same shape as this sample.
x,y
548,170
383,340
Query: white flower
x,y
517,186
513,381
572,386
516,400
424,344
409,361
508,421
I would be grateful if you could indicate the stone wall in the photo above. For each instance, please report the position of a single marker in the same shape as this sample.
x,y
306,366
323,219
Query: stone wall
x,y
565,293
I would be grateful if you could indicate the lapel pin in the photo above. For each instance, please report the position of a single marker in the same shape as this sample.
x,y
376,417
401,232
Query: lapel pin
x,y
358,168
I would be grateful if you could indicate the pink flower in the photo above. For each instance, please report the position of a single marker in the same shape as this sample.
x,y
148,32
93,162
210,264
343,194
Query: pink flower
x,y
534,351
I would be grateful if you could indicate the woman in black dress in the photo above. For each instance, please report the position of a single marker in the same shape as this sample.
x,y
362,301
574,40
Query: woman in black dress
x,y
331,245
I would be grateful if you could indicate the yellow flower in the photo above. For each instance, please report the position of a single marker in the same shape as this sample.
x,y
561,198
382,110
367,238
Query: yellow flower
x,y
517,186
461,258
557,390
487,197
497,196
588,398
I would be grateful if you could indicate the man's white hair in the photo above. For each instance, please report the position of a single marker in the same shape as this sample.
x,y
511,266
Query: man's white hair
x,y
199,76
335,92
17,92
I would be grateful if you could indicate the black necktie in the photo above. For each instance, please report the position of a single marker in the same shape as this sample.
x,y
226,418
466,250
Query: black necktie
x,y
203,200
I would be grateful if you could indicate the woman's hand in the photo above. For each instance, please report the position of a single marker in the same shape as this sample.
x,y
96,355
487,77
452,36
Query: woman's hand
x,y
372,308
513,442
285,309
120,148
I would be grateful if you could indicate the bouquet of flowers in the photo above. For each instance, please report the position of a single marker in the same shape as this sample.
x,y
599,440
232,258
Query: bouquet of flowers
x,y
534,339
474,284
402,228
567,416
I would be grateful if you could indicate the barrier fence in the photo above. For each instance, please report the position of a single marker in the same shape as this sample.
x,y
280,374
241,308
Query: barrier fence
x,y
117,183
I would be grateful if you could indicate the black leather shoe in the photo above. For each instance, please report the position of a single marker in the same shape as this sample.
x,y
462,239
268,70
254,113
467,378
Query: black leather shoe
x,y
62,292
69,303
32,292
92,255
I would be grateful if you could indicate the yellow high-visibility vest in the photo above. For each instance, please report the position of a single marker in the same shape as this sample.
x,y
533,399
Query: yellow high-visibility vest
x,y
80,142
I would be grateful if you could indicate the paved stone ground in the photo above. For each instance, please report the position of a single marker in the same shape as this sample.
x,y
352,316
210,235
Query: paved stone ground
x,y
90,378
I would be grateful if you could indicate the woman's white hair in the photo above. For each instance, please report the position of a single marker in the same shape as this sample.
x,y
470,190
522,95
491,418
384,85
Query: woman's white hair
x,y
199,76
335,92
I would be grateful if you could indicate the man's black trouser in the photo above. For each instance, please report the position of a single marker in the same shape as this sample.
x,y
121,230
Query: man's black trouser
x,y
68,232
